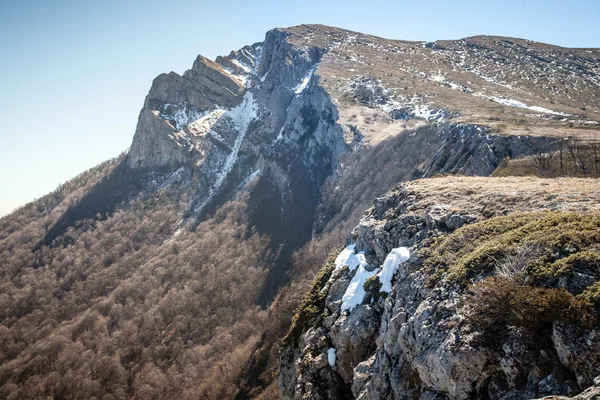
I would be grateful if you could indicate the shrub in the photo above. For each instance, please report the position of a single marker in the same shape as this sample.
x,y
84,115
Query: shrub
x,y
476,250
313,303
592,296
498,304
372,288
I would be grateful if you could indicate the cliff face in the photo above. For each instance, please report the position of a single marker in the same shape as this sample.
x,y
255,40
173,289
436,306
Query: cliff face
x,y
412,332
259,110
293,101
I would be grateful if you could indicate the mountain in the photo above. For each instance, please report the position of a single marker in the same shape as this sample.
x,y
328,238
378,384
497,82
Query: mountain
x,y
191,266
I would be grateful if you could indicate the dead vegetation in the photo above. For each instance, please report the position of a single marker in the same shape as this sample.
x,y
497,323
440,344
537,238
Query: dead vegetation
x,y
491,196
563,157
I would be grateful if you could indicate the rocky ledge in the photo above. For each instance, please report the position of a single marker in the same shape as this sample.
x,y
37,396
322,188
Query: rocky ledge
x,y
457,288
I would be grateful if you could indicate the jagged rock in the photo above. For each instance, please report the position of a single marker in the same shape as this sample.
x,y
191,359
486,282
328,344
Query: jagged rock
x,y
516,361
285,110
591,393
362,375
206,85
352,336
416,342
455,221
445,355
579,351
335,293
274,108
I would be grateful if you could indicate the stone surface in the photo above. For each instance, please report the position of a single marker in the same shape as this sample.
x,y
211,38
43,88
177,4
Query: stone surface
x,y
415,342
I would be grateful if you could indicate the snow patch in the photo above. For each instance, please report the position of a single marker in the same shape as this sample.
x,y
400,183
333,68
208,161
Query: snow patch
x,y
241,117
516,103
203,125
331,356
355,293
177,176
280,134
240,65
180,115
390,267
250,178
304,83
428,113
347,257
244,113
375,95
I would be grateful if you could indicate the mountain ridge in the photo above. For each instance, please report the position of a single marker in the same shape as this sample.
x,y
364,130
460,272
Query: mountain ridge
x,y
177,267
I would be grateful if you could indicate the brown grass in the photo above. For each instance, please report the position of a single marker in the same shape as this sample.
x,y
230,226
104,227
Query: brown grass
x,y
406,68
489,196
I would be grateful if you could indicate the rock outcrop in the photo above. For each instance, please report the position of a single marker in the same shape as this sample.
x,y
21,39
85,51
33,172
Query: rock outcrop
x,y
258,109
418,341
175,101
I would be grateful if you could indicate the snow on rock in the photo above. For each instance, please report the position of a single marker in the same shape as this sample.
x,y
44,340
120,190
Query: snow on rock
x,y
176,176
302,85
347,257
355,292
241,117
331,356
280,134
373,93
241,65
390,267
204,124
428,113
244,113
180,115
250,178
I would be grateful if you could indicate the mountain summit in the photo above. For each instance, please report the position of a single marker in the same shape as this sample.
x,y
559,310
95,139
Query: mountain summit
x,y
228,253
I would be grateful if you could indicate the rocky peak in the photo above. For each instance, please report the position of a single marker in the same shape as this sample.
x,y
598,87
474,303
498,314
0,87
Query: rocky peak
x,y
173,102
259,108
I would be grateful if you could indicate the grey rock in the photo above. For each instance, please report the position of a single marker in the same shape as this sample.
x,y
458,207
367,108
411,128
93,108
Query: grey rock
x,y
579,351
352,335
417,343
362,375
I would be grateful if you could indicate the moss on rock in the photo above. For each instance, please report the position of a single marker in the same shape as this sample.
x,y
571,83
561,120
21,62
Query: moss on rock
x,y
313,304
562,241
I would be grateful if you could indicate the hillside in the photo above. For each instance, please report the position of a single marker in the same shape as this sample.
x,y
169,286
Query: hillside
x,y
176,269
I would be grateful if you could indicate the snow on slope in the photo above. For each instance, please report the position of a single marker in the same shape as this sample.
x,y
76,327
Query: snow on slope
x,y
305,81
347,257
241,117
355,293
390,267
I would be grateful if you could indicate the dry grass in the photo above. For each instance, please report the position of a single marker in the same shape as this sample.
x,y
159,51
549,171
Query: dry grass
x,y
374,124
486,197
518,167
407,69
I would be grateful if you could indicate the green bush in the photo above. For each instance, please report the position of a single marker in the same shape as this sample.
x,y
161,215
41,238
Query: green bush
x,y
476,249
313,304
592,296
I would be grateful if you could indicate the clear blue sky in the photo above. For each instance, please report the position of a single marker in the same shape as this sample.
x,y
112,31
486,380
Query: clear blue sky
x,y
74,74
